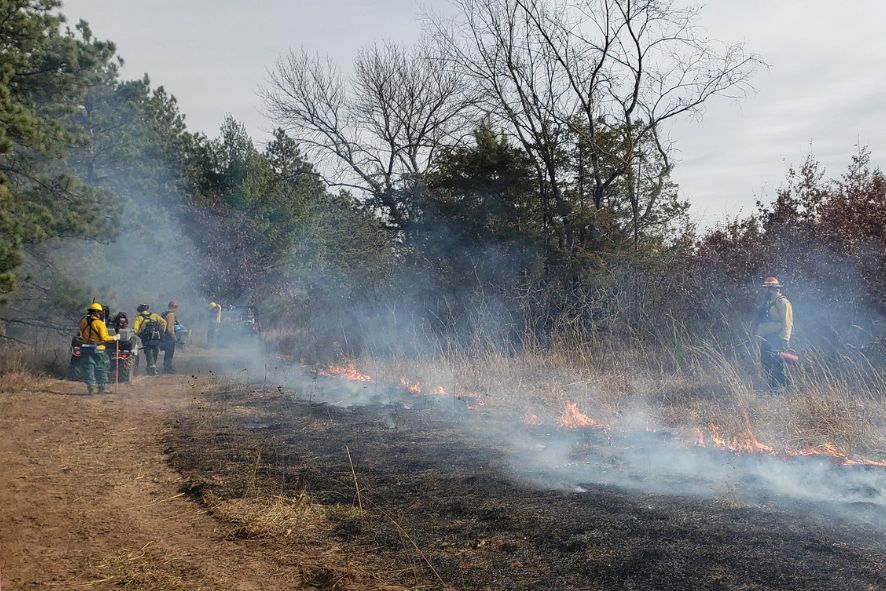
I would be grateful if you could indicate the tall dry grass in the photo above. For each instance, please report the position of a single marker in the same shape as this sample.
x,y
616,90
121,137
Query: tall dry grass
x,y
26,368
679,383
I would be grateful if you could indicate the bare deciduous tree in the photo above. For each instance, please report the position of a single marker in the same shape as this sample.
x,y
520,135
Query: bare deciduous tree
x,y
588,71
517,82
379,133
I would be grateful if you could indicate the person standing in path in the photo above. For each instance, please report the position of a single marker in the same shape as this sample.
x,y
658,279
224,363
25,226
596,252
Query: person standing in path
x,y
169,336
775,324
150,328
94,362
215,313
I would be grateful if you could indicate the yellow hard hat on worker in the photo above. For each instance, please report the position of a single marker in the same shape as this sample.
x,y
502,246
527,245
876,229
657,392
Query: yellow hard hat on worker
x,y
95,307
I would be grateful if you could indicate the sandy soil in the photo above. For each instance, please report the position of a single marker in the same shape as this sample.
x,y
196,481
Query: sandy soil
x,y
88,501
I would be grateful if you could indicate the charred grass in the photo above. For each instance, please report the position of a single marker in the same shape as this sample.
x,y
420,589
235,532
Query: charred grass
x,y
381,497
236,467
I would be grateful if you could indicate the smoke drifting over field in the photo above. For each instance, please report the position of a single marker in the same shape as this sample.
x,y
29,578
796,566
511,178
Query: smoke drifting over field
x,y
634,458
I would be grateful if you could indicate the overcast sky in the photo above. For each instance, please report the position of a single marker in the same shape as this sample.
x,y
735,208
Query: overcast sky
x,y
825,91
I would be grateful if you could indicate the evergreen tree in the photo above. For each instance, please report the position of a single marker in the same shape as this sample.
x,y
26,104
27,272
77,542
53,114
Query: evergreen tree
x,y
46,70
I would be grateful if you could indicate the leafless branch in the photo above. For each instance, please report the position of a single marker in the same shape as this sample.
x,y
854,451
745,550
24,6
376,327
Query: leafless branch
x,y
381,129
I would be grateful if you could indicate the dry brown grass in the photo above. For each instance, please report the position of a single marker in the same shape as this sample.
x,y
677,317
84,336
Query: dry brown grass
x,y
678,388
26,369
20,381
306,530
289,517
138,571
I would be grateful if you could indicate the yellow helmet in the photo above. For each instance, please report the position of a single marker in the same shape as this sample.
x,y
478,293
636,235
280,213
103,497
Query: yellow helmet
x,y
95,307
213,305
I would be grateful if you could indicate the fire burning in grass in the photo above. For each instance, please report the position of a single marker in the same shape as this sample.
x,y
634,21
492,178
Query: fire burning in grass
x,y
747,443
348,372
472,401
411,387
572,418
416,388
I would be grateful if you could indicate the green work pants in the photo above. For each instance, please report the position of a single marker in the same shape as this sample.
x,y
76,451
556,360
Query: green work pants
x,y
168,347
94,367
773,366
152,352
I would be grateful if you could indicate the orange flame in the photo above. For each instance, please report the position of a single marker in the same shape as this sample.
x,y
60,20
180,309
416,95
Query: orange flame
x,y
572,418
745,442
748,443
412,388
348,372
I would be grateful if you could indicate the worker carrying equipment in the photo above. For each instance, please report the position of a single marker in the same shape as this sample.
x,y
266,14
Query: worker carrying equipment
x,y
775,325
150,328
95,364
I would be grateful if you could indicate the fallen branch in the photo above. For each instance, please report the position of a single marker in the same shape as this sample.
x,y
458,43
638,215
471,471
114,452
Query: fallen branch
x,y
356,484
161,501
403,533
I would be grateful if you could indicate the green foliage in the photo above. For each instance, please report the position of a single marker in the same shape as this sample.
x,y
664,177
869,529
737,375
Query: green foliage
x,y
46,72
267,223
480,206
485,192
131,149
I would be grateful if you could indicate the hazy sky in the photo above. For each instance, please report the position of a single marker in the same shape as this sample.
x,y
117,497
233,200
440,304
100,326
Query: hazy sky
x,y
825,90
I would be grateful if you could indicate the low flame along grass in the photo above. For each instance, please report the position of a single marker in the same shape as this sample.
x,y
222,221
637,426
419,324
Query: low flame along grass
x,y
348,372
573,418
411,387
748,444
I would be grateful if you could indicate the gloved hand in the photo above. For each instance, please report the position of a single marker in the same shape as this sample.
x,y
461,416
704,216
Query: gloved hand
x,y
116,337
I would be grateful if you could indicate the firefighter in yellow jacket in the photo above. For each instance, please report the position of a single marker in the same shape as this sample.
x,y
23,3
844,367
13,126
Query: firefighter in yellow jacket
x,y
775,324
150,328
168,344
94,362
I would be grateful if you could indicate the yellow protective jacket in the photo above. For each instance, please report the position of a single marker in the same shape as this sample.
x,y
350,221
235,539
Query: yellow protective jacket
x,y
94,332
142,318
776,320
170,324
215,311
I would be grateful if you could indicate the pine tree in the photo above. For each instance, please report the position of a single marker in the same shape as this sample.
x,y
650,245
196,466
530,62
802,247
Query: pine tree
x,y
46,70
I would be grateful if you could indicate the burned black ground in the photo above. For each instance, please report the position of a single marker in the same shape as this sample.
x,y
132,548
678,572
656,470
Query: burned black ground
x,y
436,495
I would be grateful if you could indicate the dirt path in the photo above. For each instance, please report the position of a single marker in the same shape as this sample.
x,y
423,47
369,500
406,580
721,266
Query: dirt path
x,y
91,498
88,501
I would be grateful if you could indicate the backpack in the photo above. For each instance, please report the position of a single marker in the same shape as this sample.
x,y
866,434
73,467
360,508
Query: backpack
x,y
765,312
150,330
